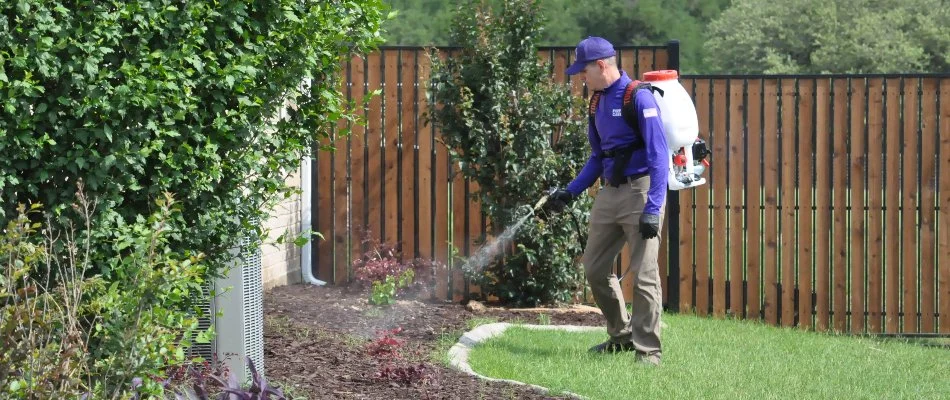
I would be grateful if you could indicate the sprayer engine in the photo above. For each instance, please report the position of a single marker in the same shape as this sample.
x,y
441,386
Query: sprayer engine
x,y
688,168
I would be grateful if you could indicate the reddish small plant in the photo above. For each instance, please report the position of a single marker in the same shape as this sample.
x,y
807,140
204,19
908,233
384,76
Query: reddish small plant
x,y
386,347
184,374
387,350
405,374
382,260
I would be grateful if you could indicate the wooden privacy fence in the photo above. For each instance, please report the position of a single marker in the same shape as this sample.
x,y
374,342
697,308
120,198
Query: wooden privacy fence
x,y
827,205
393,177
822,208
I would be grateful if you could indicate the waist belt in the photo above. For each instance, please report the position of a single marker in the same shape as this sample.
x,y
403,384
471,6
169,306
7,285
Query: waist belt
x,y
621,158
628,179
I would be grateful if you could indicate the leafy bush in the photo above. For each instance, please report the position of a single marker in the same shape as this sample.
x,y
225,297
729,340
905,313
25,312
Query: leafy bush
x,y
67,331
150,96
215,102
510,128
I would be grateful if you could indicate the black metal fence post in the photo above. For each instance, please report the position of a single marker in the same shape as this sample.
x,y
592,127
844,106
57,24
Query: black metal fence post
x,y
673,213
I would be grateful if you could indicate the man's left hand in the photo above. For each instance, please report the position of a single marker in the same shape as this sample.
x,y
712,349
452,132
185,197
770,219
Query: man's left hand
x,y
649,225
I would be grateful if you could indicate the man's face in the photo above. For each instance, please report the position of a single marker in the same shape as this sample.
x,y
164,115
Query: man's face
x,y
594,74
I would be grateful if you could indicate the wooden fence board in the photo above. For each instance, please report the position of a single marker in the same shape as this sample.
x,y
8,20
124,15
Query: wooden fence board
x,y
909,158
754,199
839,229
358,153
627,61
858,129
410,153
806,214
688,235
427,182
737,166
892,207
644,61
822,204
441,222
703,236
928,196
374,143
390,149
875,241
788,218
341,196
943,252
662,58
770,194
720,186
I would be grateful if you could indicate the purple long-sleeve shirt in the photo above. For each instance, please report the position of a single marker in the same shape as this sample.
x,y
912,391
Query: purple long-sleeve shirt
x,y
613,133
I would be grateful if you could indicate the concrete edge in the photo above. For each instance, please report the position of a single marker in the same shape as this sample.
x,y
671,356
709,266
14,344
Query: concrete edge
x,y
458,354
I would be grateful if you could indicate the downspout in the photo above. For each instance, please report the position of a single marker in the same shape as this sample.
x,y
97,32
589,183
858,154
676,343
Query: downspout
x,y
306,253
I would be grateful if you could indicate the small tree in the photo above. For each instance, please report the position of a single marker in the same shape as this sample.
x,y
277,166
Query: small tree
x,y
516,133
845,36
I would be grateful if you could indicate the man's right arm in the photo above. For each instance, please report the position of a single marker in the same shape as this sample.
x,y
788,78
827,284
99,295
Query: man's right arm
x,y
592,169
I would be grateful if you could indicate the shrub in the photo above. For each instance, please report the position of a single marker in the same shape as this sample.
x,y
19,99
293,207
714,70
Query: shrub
x,y
216,102
42,351
67,331
509,127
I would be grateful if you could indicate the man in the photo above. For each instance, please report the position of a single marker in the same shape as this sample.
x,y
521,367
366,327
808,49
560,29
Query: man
x,y
628,208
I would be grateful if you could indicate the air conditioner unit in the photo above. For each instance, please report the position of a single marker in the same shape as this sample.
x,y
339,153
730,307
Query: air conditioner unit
x,y
239,330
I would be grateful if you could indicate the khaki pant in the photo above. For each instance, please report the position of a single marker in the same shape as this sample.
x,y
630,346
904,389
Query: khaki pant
x,y
615,219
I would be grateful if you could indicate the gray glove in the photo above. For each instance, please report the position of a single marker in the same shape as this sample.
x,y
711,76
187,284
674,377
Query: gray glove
x,y
649,225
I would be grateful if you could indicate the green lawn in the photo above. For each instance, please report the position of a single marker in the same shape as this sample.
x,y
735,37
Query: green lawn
x,y
708,358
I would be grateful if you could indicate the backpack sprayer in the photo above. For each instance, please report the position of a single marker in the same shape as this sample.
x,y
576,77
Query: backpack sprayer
x,y
687,151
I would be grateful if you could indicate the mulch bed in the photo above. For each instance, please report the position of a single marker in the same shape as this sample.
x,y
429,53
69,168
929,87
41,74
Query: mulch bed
x,y
316,345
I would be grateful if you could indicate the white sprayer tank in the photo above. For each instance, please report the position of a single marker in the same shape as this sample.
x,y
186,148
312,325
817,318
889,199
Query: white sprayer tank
x,y
680,124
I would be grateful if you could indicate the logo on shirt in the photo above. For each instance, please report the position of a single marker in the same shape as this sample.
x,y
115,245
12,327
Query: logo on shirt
x,y
649,112
616,112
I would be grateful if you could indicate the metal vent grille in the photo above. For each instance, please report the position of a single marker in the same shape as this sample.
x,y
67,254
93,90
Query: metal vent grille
x,y
205,321
252,299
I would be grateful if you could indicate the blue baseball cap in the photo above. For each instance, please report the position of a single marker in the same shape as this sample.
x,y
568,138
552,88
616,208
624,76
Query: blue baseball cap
x,y
591,49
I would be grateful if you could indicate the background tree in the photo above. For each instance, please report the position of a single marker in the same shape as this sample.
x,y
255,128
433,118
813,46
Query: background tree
x,y
624,22
846,36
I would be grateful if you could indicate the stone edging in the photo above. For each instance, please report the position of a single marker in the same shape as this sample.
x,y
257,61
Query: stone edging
x,y
458,354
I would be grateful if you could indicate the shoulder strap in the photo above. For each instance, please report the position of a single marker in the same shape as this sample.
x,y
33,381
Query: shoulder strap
x,y
594,102
592,109
629,107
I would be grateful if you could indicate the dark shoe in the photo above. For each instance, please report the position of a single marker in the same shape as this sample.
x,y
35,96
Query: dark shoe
x,y
611,347
648,359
